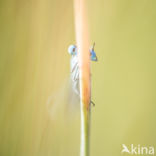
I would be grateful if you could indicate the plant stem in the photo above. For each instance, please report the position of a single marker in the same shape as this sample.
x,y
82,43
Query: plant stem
x,y
85,131
82,40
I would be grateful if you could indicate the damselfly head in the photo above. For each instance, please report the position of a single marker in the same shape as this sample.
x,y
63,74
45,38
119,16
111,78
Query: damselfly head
x,y
72,50
93,56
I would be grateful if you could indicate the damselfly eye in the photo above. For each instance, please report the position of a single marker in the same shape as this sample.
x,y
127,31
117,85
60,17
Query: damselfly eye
x,y
72,50
93,56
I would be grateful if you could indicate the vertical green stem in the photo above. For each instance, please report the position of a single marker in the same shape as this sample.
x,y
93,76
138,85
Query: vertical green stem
x,y
85,131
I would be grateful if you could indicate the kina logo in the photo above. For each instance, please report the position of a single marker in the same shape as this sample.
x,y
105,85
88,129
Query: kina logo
x,y
138,150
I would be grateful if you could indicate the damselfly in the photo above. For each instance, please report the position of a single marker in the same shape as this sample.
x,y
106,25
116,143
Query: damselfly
x,y
75,67
70,91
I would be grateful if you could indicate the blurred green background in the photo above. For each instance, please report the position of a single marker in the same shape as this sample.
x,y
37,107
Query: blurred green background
x,y
34,37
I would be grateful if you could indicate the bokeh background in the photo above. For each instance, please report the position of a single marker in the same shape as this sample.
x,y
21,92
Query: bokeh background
x,y
34,37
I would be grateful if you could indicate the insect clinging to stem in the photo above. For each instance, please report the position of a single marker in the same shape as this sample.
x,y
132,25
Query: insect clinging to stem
x,y
69,91
75,66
